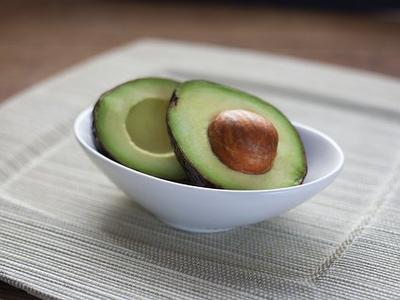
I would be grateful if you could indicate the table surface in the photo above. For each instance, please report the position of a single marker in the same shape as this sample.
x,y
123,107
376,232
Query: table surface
x,y
40,38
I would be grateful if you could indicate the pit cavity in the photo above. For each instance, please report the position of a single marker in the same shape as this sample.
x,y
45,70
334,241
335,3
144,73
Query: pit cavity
x,y
147,127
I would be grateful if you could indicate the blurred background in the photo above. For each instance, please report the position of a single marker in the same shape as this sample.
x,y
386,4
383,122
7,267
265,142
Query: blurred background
x,y
42,37
39,38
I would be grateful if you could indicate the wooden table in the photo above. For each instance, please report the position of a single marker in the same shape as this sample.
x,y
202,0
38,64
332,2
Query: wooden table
x,y
39,38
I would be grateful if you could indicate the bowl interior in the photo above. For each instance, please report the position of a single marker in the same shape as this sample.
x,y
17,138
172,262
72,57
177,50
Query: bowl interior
x,y
83,129
324,156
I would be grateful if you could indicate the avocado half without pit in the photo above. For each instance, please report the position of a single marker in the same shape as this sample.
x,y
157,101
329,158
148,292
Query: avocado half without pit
x,y
225,138
129,126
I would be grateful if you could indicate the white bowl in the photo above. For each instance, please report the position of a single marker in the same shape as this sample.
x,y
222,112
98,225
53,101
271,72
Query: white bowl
x,y
200,209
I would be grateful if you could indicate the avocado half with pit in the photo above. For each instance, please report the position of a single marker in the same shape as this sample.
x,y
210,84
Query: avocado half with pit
x,y
225,138
129,126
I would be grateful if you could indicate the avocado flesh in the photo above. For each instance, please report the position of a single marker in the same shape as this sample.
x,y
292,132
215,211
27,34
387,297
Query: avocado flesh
x,y
193,107
129,126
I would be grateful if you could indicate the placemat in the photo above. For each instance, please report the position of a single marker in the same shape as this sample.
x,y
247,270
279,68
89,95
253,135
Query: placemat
x,y
66,232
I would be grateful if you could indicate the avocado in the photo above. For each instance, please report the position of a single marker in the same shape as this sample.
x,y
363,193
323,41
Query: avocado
x,y
226,138
129,126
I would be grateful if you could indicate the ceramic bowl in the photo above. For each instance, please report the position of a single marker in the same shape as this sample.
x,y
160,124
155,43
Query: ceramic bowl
x,y
200,209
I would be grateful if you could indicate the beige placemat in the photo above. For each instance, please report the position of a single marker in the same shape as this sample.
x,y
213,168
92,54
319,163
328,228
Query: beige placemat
x,y
66,232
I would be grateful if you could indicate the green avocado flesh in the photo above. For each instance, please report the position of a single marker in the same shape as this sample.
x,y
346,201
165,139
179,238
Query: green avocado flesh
x,y
129,125
194,106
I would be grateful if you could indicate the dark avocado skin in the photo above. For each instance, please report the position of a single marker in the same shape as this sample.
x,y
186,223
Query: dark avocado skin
x,y
97,142
193,175
306,166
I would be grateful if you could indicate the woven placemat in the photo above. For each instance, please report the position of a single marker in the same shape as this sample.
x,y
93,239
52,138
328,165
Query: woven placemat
x,y
67,232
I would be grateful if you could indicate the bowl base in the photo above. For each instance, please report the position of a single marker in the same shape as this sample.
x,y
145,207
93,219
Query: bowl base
x,y
196,230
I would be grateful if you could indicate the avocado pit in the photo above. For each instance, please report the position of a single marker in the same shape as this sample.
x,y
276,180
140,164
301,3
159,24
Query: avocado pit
x,y
244,141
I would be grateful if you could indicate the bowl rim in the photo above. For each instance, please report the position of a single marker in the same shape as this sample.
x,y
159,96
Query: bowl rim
x,y
83,114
